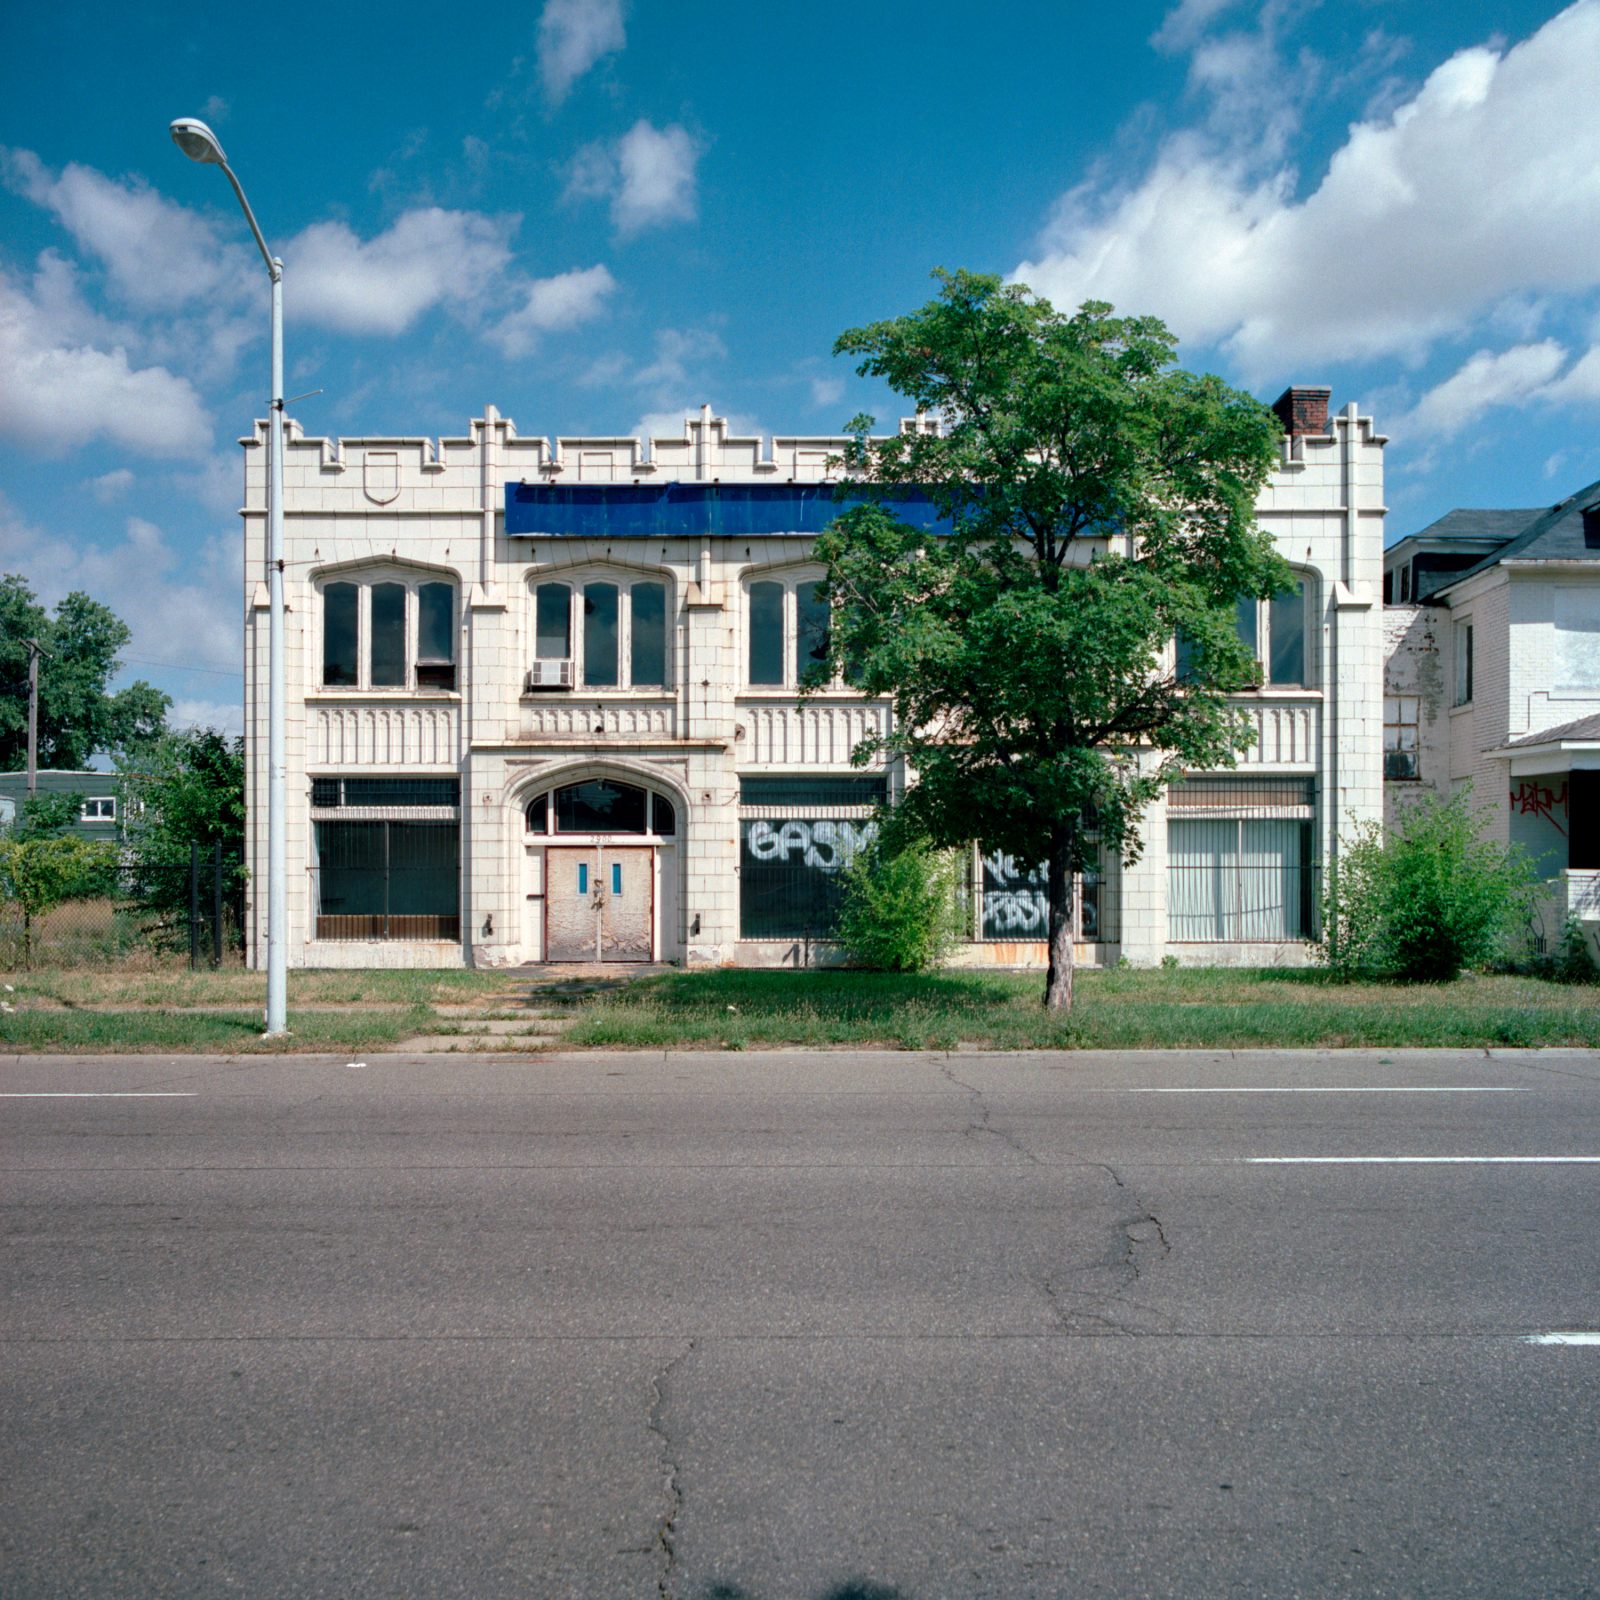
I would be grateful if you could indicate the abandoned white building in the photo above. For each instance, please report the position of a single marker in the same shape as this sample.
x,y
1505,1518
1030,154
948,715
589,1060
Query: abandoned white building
x,y
1492,677
543,705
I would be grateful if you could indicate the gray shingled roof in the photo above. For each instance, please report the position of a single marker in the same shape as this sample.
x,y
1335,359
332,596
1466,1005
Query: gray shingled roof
x,y
1468,523
1556,535
1583,728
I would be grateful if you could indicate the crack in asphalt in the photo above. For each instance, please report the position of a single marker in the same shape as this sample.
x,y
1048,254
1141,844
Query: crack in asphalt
x,y
1142,1236
984,1124
665,1544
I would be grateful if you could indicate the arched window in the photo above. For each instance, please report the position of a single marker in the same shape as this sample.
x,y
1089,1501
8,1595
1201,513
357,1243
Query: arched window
x,y
601,805
618,639
788,625
388,632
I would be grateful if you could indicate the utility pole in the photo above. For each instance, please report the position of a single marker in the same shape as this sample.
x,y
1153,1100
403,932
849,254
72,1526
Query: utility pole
x,y
35,650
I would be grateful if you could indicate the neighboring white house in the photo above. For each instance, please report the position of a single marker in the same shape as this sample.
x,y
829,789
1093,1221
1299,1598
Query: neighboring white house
x,y
1492,677
543,705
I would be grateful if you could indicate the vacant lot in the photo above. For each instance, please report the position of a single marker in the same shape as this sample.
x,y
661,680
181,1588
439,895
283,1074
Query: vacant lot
x,y
178,1010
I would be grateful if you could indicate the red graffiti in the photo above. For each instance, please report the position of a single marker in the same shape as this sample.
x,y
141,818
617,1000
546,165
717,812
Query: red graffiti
x,y
1538,799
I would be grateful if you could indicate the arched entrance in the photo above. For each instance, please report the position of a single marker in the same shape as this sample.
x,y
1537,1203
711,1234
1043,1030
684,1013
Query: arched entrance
x,y
602,872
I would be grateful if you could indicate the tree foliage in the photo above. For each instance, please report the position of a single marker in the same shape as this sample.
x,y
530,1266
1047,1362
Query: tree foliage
x,y
187,790
78,717
1425,899
1103,501
900,912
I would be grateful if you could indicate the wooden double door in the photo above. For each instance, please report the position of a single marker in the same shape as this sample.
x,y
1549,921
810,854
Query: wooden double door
x,y
599,902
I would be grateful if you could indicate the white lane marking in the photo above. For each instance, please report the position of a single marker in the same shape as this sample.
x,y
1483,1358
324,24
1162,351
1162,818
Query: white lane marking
x,y
1472,1088
1417,1161
355,1066
98,1094
1563,1338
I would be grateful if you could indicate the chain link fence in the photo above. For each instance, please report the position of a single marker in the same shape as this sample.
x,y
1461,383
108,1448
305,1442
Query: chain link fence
x,y
106,921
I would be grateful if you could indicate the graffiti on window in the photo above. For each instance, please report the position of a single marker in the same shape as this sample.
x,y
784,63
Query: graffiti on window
x,y
1533,798
790,883
823,845
1016,901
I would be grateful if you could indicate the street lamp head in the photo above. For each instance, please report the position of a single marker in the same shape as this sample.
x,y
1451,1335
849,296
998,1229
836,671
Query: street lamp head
x,y
197,141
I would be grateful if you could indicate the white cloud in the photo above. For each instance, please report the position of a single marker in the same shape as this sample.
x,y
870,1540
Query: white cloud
x,y
1484,185
826,391
184,609
225,715
217,483
677,352
552,304
426,258
1580,382
156,254
58,393
573,35
1183,25
214,110
658,177
1488,379
111,486
649,175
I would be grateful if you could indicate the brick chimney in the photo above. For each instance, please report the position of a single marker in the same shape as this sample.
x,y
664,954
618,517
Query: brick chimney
x,y
1303,409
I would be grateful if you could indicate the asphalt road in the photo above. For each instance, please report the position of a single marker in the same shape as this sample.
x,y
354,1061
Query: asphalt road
x,y
787,1327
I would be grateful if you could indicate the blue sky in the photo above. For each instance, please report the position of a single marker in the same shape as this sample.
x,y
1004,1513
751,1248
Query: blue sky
x,y
595,214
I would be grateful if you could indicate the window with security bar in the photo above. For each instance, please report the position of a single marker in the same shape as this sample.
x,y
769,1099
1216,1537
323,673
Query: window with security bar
x,y
1012,899
1240,860
797,834
386,858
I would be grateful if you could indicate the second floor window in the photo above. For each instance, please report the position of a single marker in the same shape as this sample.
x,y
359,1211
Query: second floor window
x,y
787,629
1463,648
1275,630
389,633
615,630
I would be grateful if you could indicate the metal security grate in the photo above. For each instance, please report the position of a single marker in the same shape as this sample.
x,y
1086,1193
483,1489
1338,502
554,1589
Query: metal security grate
x,y
387,880
812,794
335,794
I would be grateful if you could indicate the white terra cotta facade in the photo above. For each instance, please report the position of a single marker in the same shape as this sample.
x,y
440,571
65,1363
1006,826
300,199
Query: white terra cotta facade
x,y
421,758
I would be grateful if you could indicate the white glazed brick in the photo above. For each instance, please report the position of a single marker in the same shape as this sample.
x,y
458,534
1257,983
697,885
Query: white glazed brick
x,y
501,745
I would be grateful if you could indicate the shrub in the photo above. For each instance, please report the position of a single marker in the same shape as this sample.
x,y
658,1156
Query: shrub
x,y
41,873
1427,899
1572,961
900,912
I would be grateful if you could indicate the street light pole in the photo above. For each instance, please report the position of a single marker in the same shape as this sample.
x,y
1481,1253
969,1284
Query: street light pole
x,y
199,143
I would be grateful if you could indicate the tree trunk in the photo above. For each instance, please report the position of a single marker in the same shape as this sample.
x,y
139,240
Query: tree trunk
x,y
1058,982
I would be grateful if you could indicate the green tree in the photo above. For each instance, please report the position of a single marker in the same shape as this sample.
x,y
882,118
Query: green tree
x,y
188,789
40,873
1103,501
900,912
47,816
78,717
1425,899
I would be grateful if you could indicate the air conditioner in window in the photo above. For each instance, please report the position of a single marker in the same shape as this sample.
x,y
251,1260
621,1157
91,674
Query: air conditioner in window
x,y
549,675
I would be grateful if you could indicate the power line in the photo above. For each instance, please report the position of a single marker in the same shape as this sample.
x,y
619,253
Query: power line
x,y
174,666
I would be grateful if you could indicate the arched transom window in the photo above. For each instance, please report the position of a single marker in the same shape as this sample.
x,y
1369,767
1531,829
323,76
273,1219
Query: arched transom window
x,y
602,806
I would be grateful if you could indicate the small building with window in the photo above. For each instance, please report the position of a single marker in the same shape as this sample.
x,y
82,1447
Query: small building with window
x,y
96,793
544,705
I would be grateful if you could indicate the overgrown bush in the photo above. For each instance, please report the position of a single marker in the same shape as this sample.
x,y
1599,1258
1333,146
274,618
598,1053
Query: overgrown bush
x,y
900,912
1426,900
39,874
1572,961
